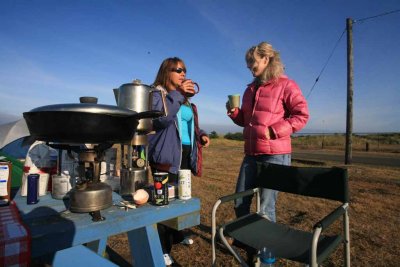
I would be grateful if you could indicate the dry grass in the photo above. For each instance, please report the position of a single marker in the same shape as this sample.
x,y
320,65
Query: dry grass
x,y
374,212
373,142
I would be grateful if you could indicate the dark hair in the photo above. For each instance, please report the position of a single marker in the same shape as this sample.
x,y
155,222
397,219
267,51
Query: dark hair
x,y
163,72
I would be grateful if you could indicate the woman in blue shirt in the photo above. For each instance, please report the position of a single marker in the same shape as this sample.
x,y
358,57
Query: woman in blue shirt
x,y
178,140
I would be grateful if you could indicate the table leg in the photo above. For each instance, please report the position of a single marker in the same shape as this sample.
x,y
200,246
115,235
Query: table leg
x,y
98,246
146,247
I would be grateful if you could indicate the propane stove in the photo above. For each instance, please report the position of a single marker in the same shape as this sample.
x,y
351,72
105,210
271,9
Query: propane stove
x,y
89,194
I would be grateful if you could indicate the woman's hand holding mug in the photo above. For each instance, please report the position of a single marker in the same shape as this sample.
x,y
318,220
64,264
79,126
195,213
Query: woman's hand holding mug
x,y
232,103
188,88
229,110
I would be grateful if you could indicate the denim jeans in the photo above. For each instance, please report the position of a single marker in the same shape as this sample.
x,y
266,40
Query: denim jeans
x,y
247,180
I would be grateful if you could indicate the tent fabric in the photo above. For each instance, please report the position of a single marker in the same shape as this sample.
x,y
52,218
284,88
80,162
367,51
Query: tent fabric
x,y
12,131
18,149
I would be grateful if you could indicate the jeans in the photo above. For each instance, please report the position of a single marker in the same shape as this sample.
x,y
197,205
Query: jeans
x,y
247,180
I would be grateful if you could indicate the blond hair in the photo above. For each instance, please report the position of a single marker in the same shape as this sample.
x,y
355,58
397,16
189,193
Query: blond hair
x,y
275,67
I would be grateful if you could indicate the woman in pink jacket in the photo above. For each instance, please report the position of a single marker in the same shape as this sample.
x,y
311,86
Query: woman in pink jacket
x,y
273,108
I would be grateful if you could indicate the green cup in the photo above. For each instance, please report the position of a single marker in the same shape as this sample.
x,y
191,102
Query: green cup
x,y
234,101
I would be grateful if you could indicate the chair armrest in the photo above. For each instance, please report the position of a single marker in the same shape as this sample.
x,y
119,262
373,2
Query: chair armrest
x,y
229,198
238,195
322,225
331,217
214,213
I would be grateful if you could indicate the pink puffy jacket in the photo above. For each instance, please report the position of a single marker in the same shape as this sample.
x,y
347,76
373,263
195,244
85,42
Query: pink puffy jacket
x,y
278,104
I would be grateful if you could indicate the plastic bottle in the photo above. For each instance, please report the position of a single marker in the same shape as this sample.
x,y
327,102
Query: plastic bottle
x,y
267,259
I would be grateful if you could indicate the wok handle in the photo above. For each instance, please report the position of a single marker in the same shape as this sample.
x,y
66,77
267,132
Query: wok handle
x,y
148,114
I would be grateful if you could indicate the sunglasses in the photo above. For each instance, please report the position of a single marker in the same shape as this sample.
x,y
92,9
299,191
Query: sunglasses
x,y
178,70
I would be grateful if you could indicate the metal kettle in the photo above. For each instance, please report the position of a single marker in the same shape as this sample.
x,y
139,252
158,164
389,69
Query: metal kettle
x,y
138,97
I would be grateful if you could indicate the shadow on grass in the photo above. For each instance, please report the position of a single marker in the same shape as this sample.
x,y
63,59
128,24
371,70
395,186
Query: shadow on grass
x,y
309,162
219,246
116,258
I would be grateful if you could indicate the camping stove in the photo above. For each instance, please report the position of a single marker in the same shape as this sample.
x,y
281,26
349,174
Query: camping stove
x,y
89,194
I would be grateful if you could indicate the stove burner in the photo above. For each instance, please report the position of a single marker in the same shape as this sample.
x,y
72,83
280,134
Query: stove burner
x,y
89,194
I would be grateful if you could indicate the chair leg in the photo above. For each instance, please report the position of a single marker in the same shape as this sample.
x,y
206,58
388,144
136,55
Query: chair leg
x,y
232,250
214,231
314,245
347,238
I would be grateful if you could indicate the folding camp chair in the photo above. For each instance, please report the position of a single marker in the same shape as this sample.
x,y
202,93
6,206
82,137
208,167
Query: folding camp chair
x,y
283,240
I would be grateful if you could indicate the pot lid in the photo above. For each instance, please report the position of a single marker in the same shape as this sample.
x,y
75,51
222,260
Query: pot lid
x,y
87,108
137,84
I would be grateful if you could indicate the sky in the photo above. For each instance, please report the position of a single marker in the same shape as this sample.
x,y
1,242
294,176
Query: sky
x,y
54,52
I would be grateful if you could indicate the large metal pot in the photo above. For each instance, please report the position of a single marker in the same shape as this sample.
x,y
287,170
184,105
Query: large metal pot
x,y
84,123
138,97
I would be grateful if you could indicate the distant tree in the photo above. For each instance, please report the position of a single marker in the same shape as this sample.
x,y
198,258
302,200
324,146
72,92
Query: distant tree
x,y
234,136
213,135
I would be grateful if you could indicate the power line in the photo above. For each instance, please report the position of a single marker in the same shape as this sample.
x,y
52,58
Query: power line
x,y
354,21
326,63
376,16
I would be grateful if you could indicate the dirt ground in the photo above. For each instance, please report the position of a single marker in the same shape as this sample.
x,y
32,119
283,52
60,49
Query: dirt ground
x,y
374,213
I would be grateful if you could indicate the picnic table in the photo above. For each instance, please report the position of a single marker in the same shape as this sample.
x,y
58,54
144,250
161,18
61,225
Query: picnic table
x,y
56,232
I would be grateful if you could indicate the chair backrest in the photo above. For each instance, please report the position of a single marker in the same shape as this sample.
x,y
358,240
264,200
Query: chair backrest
x,y
329,183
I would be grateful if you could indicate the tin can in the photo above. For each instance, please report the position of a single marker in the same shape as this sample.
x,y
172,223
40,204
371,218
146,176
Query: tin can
x,y
160,192
185,184
61,185
33,184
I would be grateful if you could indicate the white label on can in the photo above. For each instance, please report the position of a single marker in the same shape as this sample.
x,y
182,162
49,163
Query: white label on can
x,y
61,185
185,184
4,173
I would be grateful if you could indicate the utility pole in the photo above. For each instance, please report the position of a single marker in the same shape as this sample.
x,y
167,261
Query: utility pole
x,y
323,134
349,119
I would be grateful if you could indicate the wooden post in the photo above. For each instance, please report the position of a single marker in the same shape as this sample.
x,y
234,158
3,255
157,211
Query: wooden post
x,y
349,119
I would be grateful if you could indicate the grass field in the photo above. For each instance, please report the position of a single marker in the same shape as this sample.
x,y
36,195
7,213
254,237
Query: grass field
x,y
374,212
